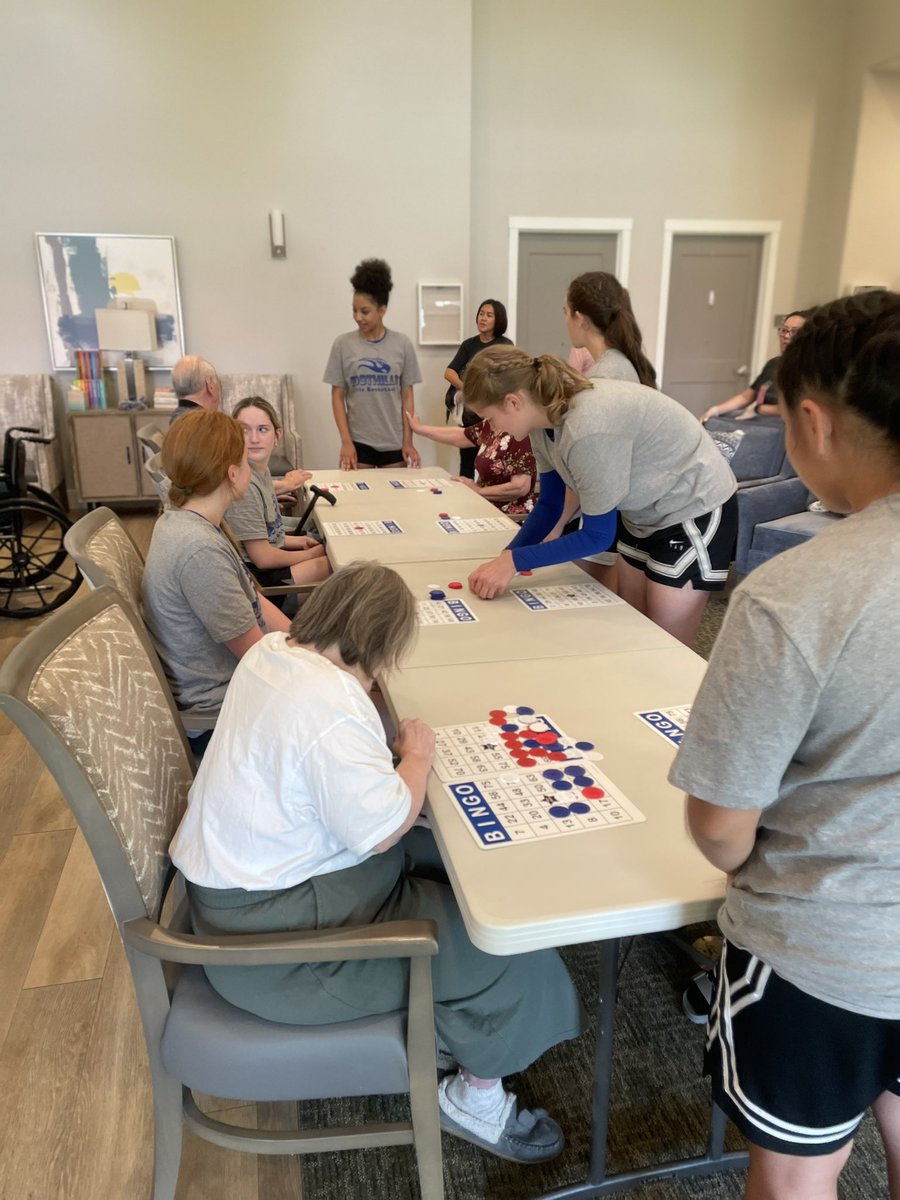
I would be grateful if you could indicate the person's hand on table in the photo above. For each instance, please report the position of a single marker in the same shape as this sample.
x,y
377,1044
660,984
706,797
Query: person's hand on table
x,y
292,480
414,737
493,578
348,457
307,543
470,483
411,456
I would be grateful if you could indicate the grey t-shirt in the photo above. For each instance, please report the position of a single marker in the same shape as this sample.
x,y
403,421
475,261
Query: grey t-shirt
x,y
197,596
626,446
372,375
258,516
797,716
613,364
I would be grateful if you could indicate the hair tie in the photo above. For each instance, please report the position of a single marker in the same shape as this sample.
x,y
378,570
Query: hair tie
x,y
184,491
536,363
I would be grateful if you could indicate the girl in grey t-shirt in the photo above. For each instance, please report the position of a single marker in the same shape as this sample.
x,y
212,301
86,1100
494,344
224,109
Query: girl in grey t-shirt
x,y
617,445
372,371
792,764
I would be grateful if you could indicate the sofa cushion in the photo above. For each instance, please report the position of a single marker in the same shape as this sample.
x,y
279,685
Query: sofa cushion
x,y
772,537
761,452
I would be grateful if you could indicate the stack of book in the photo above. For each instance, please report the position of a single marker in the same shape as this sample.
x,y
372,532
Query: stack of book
x,y
89,389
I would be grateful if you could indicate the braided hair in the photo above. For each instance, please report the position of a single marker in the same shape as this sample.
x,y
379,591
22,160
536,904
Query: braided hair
x,y
498,370
848,355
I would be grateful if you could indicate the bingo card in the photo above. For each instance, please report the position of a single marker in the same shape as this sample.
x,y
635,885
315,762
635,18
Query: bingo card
x,y
443,612
359,528
669,723
472,524
518,778
553,597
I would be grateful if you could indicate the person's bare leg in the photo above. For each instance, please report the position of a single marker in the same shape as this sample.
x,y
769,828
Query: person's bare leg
x,y
605,573
774,1176
678,610
632,585
887,1113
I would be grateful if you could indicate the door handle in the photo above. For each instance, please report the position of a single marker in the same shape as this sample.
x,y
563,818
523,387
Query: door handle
x,y
744,370
128,454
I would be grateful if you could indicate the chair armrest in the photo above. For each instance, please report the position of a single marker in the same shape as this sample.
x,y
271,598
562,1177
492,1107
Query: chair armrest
x,y
393,939
289,589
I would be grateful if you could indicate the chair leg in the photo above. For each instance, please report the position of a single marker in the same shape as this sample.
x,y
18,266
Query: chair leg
x,y
168,1133
423,1101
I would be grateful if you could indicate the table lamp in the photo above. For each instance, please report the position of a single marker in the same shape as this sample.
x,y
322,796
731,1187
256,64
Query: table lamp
x,y
134,331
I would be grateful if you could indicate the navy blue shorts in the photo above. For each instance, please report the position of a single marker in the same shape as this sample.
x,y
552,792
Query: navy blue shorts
x,y
698,551
795,1074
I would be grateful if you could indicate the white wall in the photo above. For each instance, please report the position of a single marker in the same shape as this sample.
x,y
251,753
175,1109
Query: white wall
x,y
657,110
193,118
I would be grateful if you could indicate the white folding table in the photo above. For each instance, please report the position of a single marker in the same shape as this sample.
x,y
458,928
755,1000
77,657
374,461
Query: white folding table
x,y
593,885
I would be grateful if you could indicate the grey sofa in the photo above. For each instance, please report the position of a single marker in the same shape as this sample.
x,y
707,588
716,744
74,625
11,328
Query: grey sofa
x,y
772,501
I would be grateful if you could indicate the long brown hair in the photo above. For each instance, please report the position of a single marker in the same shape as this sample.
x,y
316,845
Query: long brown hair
x,y
498,370
600,297
197,452
264,406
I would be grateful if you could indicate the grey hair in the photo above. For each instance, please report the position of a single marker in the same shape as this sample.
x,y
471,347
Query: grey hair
x,y
189,375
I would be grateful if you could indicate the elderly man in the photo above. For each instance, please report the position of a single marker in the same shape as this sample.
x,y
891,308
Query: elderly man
x,y
196,384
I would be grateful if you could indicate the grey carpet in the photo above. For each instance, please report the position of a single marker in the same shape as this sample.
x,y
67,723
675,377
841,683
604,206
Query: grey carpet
x,y
660,1103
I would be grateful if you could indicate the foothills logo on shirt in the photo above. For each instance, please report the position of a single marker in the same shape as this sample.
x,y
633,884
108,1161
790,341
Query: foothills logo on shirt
x,y
374,375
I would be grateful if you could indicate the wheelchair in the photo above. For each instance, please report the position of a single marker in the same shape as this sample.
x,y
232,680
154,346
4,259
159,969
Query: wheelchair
x,y
36,573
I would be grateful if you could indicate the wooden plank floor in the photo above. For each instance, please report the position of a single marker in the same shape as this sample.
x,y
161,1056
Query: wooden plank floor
x,y
75,1102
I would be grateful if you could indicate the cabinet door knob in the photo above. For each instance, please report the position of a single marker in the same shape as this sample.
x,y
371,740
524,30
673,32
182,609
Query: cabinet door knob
x,y
128,454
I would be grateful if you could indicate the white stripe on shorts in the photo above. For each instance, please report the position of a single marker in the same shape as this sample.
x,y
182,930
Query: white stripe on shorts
x,y
730,999
697,551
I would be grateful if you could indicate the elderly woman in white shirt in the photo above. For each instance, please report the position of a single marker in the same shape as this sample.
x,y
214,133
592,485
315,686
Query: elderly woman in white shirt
x,y
298,819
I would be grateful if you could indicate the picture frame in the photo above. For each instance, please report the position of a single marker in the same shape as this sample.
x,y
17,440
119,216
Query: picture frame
x,y
440,313
81,272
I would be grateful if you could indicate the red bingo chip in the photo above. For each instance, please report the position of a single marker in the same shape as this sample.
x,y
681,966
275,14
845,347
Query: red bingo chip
x,y
593,793
455,585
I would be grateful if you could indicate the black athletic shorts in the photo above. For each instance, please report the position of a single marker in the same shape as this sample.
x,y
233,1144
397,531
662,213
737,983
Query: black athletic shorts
x,y
698,552
370,457
794,1074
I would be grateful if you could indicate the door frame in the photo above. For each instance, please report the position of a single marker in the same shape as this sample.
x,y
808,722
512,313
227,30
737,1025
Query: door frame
x,y
770,232
621,226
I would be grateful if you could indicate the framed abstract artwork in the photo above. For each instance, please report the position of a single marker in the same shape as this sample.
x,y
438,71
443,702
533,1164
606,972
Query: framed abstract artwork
x,y
81,272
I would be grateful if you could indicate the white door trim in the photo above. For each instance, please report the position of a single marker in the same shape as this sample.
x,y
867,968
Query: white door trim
x,y
621,226
769,231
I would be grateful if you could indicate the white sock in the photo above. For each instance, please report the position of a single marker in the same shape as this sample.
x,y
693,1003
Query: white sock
x,y
483,1111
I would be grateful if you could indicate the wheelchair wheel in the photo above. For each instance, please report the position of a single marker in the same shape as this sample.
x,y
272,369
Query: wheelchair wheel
x,y
36,573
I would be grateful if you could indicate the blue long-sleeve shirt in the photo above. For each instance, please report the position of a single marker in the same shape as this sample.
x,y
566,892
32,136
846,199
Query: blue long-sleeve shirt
x,y
530,551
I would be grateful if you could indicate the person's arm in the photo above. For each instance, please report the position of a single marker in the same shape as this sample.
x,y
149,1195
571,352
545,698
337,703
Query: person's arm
x,y
339,409
448,435
267,557
453,379
291,482
407,416
275,619
493,578
741,400
512,489
240,645
415,745
570,508
300,541
545,514
724,836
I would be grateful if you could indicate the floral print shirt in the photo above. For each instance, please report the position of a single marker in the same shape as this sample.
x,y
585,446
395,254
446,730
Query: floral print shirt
x,y
499,458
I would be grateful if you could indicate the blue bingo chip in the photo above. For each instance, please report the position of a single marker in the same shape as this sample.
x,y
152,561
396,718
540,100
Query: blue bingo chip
x,y
523,711
509,728
437,594
584,745
551,773
575,771
562,785
579,806
531,742
559,810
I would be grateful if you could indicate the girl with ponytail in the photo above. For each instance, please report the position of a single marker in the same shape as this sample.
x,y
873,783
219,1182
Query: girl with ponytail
x,y
792,766
599,319
616,445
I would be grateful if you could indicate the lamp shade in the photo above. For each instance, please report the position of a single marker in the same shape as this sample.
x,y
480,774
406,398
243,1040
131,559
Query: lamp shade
x,y
125,329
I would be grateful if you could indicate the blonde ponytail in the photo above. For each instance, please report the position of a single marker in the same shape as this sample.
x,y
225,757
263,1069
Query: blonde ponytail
x,y
499,370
